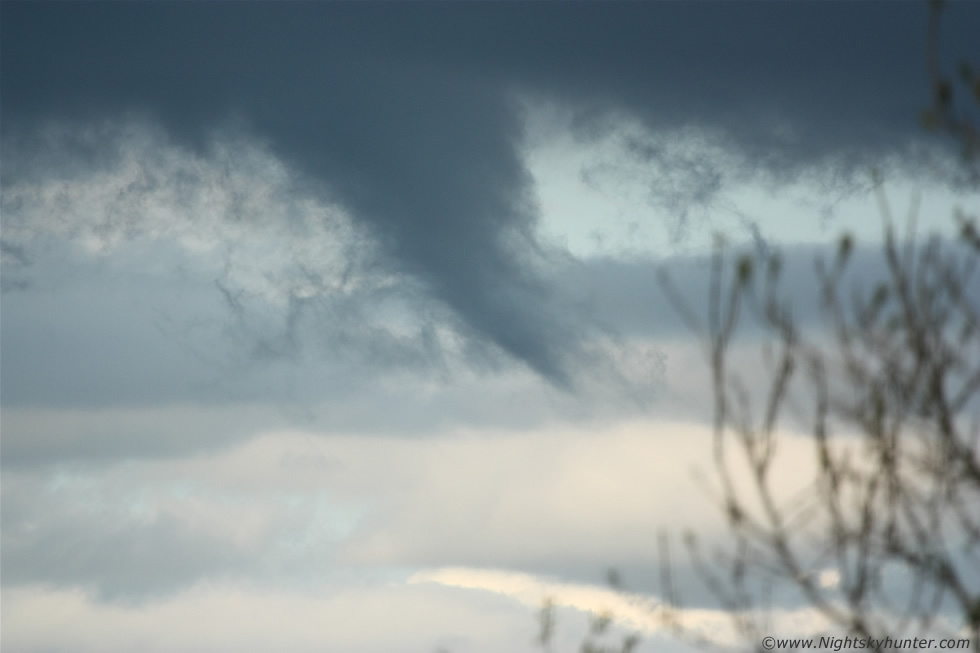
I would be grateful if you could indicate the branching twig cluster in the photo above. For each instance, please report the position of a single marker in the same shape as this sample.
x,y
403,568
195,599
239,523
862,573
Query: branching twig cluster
x,y
893,512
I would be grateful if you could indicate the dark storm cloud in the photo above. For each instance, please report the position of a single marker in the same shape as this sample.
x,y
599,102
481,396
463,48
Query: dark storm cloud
x,y
406,113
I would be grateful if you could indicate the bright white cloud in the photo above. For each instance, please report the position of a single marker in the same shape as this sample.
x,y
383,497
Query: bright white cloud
x,y
633,612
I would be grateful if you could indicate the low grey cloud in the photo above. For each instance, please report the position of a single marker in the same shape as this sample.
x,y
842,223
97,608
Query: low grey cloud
x,y
161,331
122,561
288,307
414,127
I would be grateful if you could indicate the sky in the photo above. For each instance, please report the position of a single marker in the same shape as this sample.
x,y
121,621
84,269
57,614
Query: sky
x,y
337,326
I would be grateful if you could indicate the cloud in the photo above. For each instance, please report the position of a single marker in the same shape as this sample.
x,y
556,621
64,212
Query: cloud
x,y
638,613
573,499
416,132
265,265
634,611
362,618
284,297
303,301
284,503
